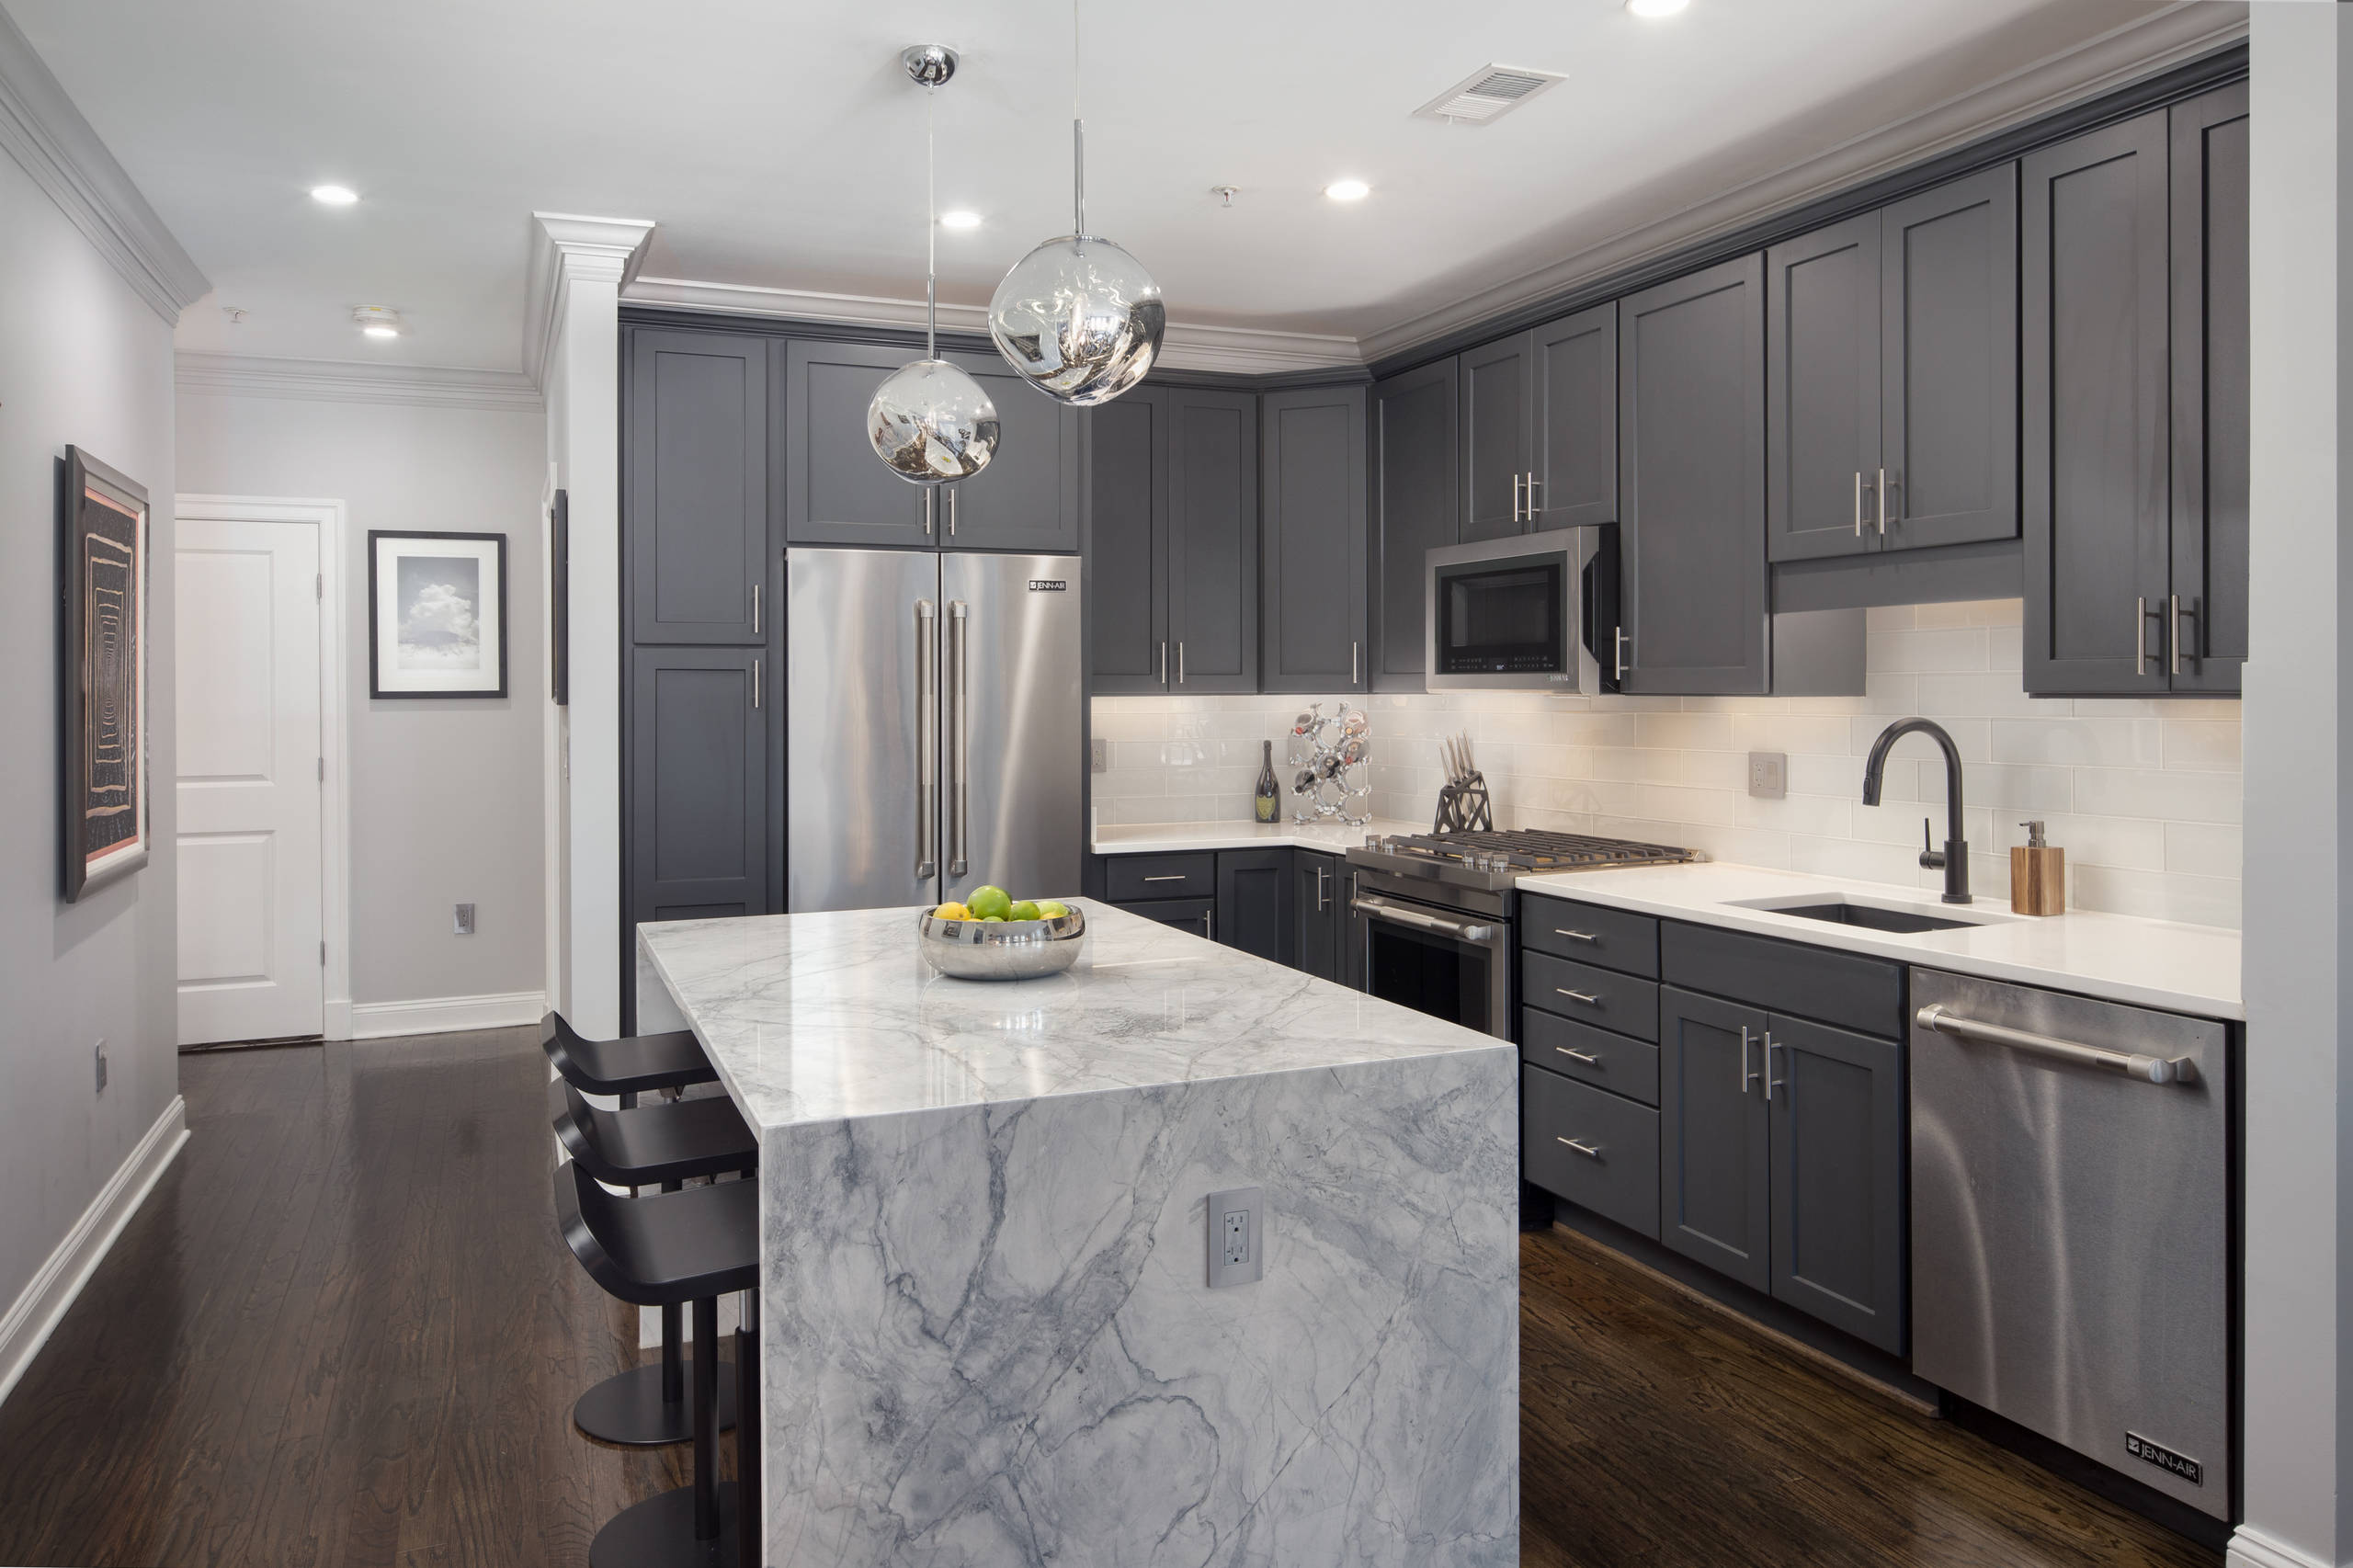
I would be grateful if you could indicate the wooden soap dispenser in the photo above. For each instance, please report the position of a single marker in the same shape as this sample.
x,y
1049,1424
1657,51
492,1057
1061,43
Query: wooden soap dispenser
x,y
2037,875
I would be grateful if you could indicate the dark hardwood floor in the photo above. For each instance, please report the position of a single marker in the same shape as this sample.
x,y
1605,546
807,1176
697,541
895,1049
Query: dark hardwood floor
x,y
343,1333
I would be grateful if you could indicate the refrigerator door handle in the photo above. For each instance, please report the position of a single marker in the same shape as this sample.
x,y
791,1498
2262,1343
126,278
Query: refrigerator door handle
x,y
927,739
959,736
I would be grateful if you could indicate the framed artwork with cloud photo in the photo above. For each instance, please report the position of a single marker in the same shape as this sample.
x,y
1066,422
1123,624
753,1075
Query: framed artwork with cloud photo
x,y
437,614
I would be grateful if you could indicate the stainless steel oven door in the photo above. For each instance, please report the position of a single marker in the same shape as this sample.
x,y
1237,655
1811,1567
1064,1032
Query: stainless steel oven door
x,y
1439,961
1508,614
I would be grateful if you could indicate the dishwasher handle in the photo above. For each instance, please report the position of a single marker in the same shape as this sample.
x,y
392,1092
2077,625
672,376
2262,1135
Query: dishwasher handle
x,y
2132,1064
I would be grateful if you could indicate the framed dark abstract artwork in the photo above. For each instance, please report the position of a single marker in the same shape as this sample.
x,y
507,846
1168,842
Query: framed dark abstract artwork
x,y
103,661
559,600
437,614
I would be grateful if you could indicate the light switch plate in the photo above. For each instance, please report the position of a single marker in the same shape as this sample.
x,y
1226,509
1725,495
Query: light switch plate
x,y
1769,774
1098,756
464,923
1236,1234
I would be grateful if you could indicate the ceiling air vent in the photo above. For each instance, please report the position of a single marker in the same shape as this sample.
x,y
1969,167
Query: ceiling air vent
x,y
1487,93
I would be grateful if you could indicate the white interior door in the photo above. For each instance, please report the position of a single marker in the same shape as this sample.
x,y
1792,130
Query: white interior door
x,y
249,781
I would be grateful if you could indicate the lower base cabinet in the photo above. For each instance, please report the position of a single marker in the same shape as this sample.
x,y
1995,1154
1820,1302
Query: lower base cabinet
x,y
1253,903
1715,1170
1319,899
1289,907
1591,1147
1197,916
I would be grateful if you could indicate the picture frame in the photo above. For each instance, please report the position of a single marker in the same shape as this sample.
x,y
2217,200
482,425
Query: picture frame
x,y
437,614
559,600
102,666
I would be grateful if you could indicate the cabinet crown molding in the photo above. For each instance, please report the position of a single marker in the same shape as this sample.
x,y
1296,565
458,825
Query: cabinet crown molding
x,y
568,248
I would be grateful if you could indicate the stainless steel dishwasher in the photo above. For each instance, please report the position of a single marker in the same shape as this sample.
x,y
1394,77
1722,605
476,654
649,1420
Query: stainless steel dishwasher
x,y
2071,1224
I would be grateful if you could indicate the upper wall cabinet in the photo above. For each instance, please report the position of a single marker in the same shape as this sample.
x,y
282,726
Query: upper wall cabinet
x,y
1497,383
1174,542
1540,428
1312,459
1691,458
837,492
1891,375
1416,501
698,485
2136,381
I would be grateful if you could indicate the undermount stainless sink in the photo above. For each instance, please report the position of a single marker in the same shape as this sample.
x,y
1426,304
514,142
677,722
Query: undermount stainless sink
x,y
1838,909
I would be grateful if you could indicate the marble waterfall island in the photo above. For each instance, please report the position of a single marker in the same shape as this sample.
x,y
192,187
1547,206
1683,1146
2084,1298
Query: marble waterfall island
x,y
988,1335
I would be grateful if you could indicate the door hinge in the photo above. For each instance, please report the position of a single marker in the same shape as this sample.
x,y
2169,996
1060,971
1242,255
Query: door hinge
x,y
322,955
323,770
319,587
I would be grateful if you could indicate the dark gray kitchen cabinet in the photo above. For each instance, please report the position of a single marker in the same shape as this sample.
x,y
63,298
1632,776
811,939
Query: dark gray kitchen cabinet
x,y
1312,540
1838,1181
1891,375
697,486
1197,916
1575,361
2207,639
1715,1171
1126,544
1027,498
1691,465
1317,897
2097,300
1173,543
1417,508
1497,382
1255,910
698,784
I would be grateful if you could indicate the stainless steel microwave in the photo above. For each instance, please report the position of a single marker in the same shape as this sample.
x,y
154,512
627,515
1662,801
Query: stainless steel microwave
x,y
1534,612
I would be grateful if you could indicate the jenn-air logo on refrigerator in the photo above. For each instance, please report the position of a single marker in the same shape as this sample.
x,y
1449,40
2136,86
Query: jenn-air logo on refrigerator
x,y
1049,585
2164,1458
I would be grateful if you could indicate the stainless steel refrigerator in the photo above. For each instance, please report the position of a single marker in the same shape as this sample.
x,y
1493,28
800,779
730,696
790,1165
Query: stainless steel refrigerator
x,y
934,727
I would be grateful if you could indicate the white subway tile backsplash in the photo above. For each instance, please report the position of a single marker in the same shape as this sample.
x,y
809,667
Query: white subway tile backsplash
x,y
2143,795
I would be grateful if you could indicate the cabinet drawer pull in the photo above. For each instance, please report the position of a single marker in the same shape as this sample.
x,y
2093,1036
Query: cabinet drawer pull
x,y
1575,935
1590,1151
1591,1058
1172,876
1589,1000
1859,503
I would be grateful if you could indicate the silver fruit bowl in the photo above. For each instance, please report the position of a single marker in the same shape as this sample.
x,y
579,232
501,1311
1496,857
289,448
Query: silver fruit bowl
x,y
1001,949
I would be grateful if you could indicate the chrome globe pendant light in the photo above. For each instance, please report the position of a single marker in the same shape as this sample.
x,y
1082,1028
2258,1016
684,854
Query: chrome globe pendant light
x,y
1078,317
930,421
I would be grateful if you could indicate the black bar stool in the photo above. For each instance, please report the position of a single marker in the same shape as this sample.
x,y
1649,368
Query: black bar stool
x,y
657,1145
694,1245
645,1407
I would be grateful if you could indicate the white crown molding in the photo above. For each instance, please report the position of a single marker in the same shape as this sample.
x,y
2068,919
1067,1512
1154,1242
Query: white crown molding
x,y
2250,1547
568,247
2168,37
346,381
40,128
1186,346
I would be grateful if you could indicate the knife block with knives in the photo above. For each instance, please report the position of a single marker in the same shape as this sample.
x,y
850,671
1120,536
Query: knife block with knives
x,y
1462,802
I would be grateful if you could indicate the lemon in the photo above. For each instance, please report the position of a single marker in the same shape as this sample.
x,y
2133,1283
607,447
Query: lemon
x,y
985,901
1024,910
1052,909
992,919
951,909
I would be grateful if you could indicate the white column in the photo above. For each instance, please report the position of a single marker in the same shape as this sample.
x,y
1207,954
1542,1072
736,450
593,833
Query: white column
x,y
2298,857
578,268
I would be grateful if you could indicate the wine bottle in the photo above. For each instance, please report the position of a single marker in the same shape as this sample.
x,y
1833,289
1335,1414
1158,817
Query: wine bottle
x,y
1269,803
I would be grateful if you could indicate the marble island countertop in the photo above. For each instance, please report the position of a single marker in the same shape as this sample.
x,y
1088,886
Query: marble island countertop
x,y
813,1017
2121,958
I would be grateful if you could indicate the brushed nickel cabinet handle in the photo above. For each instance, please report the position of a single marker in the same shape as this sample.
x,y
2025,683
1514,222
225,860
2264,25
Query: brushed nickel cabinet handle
x,y
1164,664
1859,503
1621,652
1514,496
1772,1083
1746,1077
1354,652
1590,1151
1181,664
1589,1058
2141,635
2173,634
756,681
1881,500
1574,935
756,609
1532,497
1589,1001
1172,876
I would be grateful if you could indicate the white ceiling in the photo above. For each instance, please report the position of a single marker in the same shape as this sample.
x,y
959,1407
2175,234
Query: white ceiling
x,y
778,144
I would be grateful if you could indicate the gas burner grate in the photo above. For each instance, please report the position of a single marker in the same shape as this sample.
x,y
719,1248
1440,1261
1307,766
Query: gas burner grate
x,y
1538,850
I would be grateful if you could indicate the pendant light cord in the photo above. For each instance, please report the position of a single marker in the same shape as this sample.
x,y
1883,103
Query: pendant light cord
x,y
931,229
1077,132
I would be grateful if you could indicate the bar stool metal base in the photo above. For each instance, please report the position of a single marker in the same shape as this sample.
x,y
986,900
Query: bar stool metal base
x,y
628,1408
660,1533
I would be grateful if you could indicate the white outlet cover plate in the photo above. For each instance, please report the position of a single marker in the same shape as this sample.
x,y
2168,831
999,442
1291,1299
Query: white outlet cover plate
x,y
1249,1204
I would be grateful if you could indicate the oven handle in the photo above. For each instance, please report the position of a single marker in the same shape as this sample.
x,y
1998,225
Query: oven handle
x,y
1382,909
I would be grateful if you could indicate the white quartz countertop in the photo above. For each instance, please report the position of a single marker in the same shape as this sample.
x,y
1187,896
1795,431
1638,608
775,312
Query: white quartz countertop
x,y
2152,963
1163,839
817,1017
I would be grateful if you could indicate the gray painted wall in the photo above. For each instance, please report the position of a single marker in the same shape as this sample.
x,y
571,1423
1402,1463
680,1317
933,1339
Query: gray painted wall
x,y
445,792
83,361
2299,858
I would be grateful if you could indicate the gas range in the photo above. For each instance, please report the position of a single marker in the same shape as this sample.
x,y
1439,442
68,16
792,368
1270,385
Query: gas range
x,y
1492,863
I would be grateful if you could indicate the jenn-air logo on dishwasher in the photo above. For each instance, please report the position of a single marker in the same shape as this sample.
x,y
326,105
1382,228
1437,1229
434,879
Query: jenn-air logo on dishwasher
x,y
1049,585
2164,1458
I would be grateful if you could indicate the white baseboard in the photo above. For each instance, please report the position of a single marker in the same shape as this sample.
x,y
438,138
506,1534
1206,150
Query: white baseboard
x,y
25,1327
2250,1547
336,1018
445,1014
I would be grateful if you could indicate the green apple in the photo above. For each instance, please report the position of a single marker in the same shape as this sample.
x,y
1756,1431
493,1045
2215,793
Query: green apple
x,y
988,900
1025,910
1053,909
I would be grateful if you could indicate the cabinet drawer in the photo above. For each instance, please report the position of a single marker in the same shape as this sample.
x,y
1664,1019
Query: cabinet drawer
x,y
1786,977
1590,934
1184,914
1618,1063
1130,877
1590,995
1590,1147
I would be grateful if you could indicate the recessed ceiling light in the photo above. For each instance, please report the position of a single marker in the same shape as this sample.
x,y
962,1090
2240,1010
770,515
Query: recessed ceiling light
x,y
1347,190
1656,9
334,194
376,321
960,219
